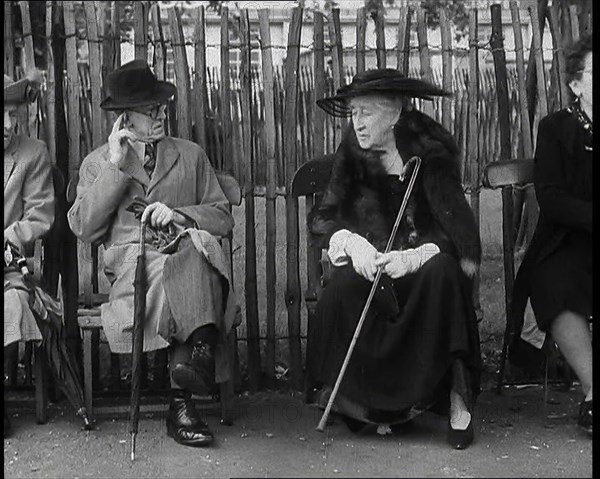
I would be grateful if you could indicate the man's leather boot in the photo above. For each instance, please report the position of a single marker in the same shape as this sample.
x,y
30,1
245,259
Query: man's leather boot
x,y
198,373
184,423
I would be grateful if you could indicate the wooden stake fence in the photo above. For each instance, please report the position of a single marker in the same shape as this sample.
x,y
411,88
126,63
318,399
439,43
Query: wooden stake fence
x,y
262,124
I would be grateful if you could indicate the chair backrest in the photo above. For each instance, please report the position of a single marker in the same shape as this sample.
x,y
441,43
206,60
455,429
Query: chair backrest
x,y
230,187
310,181
312,177
508,173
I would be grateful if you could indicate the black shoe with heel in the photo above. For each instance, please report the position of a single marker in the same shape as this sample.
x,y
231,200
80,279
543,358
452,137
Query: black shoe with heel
x,y
185,425
460,438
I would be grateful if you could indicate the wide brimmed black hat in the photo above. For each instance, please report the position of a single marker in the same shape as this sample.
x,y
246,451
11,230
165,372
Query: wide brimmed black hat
x,y
25,90
385,81
134,85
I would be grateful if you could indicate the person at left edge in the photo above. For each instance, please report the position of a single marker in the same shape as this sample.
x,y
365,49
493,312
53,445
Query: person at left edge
x,y
28,209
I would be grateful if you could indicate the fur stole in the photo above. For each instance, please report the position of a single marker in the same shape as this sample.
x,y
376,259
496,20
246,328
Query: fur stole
x,y
360,195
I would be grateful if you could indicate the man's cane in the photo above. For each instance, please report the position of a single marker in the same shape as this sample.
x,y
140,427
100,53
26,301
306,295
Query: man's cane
x,y
390,242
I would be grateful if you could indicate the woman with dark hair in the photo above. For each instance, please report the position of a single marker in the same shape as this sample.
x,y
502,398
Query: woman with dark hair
x,y
419,346
556,273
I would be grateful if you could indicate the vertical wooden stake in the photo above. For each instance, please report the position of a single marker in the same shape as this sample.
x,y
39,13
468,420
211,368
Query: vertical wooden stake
x,y
140,17
200,92
271,218
227,160
379,20
499,55
540,72
95,68
403,53
361,30
474,154
446,65
250,282
319,76
182,76
425,71
292,246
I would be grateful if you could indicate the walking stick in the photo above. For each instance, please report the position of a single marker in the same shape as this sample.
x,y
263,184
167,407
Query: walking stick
x,y
140,286
390,242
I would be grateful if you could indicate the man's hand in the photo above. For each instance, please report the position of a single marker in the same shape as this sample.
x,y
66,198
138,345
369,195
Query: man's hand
x,y
363,255
159,215
118,140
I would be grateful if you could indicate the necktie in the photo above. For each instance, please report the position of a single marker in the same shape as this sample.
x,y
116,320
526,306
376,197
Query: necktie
x,y
150,158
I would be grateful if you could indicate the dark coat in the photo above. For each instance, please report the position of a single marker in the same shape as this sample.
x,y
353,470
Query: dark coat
x,y
437,211
562,180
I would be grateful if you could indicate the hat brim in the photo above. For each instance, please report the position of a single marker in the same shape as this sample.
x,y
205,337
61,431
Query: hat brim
x,y
405,87
163,91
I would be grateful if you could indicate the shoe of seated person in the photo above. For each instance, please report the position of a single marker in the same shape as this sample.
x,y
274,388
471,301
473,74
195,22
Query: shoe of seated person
x,y
185,425
460,438
584,419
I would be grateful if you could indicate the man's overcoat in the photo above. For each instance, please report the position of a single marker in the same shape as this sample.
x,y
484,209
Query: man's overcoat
x,y
28,215
184,180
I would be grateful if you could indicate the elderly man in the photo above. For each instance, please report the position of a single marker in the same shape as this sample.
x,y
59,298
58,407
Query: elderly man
x,y
28,210
188,294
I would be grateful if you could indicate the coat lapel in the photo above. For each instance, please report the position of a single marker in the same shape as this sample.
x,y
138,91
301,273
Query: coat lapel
x,y
9,166
10,159
132,166
166,157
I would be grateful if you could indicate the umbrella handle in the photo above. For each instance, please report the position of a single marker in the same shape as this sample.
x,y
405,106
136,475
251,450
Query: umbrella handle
x,y
143,237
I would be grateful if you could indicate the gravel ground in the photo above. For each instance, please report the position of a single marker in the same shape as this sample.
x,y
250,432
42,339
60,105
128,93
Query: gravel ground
x,y
274,435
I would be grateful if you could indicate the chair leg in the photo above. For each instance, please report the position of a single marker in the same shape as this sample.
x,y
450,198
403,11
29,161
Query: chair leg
x,y
161,369
28,361
11,358
115,371
227,388
227,395
41,388
88,372
503,357
546,384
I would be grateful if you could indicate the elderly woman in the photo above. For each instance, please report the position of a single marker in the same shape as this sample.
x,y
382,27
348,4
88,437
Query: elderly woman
x,y
419,346
556,272
28,208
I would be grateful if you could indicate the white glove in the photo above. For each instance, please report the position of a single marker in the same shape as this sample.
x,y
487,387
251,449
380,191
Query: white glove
x,y
344,244
400,263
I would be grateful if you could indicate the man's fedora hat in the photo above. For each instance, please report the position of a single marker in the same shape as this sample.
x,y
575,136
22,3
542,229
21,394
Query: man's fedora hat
x,y
386,81
24,90
134,85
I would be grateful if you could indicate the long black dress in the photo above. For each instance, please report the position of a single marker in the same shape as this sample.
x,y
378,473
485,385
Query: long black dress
x,y
416,327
